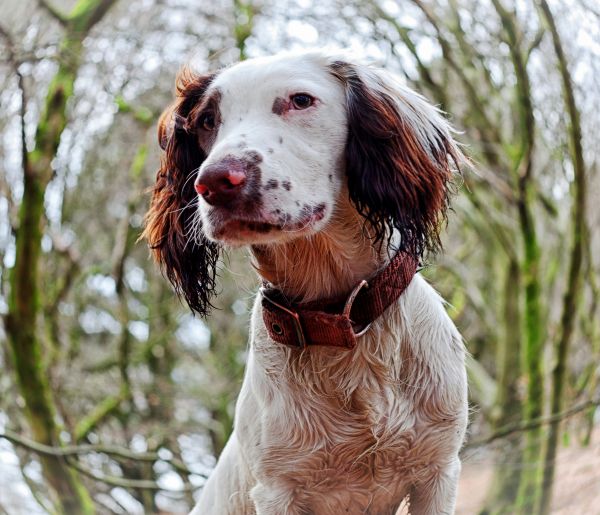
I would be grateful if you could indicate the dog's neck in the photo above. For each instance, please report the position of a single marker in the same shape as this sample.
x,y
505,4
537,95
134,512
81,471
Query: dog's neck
x,y
327,264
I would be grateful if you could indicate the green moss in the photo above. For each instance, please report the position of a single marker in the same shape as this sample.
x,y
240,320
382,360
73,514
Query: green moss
x,y
137,166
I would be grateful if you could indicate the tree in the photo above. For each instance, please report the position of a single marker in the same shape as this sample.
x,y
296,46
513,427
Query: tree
x,y
22,320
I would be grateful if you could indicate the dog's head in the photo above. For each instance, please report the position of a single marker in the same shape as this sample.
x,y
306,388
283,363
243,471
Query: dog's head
x,y
263,151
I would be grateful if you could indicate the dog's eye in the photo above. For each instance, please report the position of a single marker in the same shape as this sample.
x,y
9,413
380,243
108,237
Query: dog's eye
x,y
207,121
302,101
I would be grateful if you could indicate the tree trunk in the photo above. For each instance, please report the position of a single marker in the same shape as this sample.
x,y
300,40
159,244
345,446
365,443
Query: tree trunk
x,y
22,321
505,484
572,294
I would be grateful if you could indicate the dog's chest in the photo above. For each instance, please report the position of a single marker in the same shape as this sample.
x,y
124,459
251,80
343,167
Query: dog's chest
x,y
351,457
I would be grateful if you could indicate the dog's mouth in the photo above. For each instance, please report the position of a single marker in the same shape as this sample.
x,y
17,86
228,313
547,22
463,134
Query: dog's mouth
x,y
232,228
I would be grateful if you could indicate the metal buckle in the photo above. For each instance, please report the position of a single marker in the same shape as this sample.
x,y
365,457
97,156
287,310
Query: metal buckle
x,y
301,339
350,302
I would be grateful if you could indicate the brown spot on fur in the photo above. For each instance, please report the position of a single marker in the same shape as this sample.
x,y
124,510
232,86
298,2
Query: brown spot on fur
x,y
254,157
285,219
280,106
319,211
272,184
252,195
287,185
280,140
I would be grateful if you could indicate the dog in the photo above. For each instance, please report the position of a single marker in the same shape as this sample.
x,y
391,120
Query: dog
x,y
337,177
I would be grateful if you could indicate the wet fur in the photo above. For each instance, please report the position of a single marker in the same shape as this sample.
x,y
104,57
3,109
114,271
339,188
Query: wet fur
x,y
324,431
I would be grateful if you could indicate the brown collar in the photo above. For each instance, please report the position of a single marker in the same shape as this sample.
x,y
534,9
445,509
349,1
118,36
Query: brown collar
x,y
333,322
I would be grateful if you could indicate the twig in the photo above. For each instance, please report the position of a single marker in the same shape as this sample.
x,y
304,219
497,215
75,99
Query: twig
x,y
53,11
14,62
533,423
75,450
35,492
140,484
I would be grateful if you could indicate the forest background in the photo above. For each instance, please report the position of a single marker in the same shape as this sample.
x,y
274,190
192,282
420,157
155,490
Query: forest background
x,y
114,399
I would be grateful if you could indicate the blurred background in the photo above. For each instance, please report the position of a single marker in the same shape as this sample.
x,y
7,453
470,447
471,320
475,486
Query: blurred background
x,y
114,399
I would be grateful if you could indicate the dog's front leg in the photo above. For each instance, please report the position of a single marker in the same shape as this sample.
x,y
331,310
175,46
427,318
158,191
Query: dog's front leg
x,y
275,499
437,495
226,491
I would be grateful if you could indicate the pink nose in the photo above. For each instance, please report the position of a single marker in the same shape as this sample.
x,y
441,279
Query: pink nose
x,y
221,182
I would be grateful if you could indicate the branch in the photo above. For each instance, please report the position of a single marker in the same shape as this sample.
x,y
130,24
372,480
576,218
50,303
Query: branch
x,y
15,63
572,296
73,257
140,484
102,410
489,131
533,424
498,230
59,16
87,13
536,42
514,38
403,33
474,58
35,492
75,450
589,9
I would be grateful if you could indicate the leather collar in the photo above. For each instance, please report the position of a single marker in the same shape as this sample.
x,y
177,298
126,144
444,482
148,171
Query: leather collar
x,y
336,322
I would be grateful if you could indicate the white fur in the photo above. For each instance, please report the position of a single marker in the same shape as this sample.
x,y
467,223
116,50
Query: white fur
x,y
326,431
302,147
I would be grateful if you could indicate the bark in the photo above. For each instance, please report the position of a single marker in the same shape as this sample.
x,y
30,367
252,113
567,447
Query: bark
x,y
506,477
529,484
22,321
572,296
592,332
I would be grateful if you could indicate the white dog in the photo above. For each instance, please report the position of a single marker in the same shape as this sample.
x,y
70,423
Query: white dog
x,y
337,177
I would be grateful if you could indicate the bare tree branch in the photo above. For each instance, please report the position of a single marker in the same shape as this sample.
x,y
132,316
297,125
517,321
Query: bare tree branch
x,y
141,484
75,450
572,297
491,131
532,424
57,14
100,412
14,64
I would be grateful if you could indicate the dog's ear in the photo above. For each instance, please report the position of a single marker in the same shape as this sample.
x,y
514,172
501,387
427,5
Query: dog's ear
x,y
400,158
172,229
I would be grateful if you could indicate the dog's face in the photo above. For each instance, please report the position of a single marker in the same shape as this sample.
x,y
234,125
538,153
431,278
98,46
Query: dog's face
x,y
274,132
261,153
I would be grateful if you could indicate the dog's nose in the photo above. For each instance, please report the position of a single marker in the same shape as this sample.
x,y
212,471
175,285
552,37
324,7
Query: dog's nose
x,y
221,182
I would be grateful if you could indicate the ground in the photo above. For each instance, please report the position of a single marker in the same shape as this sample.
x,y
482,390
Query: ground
x,y
577,486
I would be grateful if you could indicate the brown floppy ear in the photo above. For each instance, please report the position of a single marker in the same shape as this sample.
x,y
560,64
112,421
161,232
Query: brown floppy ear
x,y
172,228
400,158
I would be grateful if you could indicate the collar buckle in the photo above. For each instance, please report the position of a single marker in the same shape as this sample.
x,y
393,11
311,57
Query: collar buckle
x,y
300,337
349,303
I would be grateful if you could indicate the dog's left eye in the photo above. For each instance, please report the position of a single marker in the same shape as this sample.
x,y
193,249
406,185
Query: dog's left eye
x,y
207,121
302,101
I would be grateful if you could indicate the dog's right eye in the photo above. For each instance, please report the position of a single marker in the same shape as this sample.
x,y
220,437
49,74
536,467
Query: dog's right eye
x,y
301,101
207,121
